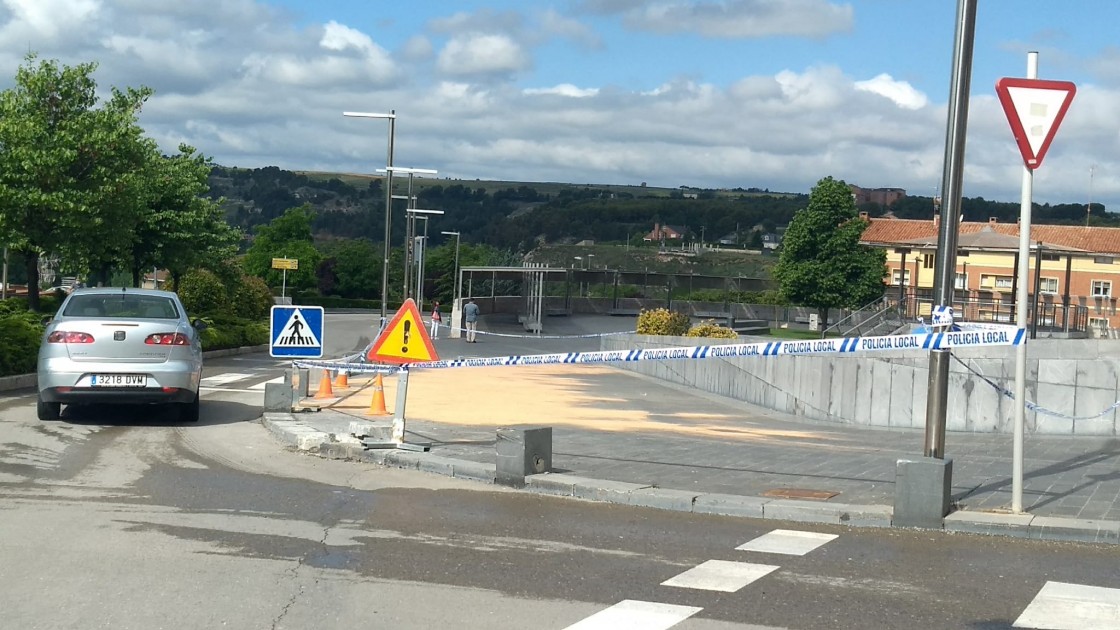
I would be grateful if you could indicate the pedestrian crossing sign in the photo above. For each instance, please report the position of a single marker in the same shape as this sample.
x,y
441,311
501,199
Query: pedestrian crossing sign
x,y
405,340
296,331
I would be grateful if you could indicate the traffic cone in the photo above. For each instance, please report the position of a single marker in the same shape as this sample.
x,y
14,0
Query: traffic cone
x,y
342,381
325,390
377,403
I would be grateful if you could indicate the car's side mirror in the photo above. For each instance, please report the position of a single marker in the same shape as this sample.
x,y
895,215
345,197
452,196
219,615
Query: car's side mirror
x,y
198,324
46,319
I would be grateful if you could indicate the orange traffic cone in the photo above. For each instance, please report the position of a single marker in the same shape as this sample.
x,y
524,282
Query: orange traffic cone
x,y
342,381
325,390
377,403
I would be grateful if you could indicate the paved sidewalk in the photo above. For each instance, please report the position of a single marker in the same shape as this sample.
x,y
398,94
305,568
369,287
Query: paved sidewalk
x,y
631,439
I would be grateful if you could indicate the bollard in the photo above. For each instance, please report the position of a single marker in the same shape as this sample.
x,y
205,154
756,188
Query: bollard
x,y
278,397
304,383
522,452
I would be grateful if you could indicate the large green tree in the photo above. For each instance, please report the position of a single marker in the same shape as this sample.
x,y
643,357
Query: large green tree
x,y
822,263
70,166
178,227
287,236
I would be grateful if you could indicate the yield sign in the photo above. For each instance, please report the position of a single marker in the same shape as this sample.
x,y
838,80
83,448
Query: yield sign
x,y
1034,108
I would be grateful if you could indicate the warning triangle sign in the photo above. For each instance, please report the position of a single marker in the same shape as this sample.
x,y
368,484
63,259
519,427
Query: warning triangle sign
x,y
296,334
405,340
1035,109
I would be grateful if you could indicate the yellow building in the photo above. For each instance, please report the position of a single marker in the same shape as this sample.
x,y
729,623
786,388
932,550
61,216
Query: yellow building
x,y
1076,288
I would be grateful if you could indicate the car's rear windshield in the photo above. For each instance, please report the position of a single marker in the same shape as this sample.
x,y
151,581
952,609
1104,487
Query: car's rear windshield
x,y
122,304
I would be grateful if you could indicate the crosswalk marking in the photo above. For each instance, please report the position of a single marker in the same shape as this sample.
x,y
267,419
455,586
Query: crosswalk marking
x,y
721,575
222,379
1064,606
787,541
635,614
261,386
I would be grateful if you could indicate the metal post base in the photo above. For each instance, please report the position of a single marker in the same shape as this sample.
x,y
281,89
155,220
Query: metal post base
x,y
419,447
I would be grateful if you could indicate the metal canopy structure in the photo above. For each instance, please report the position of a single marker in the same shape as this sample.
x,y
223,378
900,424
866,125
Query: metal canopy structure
x,y
535,285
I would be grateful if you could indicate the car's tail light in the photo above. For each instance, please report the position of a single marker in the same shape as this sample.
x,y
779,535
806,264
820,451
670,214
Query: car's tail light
x,y
167,339
69,336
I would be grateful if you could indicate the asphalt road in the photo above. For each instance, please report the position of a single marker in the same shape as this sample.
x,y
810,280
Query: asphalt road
x,y
114,518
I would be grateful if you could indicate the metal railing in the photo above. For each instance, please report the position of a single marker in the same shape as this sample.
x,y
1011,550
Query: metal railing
x,y
1045,316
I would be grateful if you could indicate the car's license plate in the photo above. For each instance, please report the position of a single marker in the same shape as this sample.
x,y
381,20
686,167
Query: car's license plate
x,y
120,380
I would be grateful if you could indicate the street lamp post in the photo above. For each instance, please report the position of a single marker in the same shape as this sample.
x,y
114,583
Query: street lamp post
x,y
413,215
409,220
392,118
456,307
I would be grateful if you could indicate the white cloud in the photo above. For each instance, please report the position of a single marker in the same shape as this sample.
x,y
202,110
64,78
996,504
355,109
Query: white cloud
x,y
50,18
564,89
902,93
478,54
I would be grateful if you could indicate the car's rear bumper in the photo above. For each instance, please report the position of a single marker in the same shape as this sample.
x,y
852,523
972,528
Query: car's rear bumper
x,y
116,395
66,381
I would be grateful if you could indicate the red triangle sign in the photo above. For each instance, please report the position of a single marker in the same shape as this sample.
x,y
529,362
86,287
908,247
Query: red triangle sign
x,y
405,340
1035,108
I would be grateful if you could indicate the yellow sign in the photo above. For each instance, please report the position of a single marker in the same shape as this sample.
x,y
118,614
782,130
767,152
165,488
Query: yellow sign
x,y
285,263
405,340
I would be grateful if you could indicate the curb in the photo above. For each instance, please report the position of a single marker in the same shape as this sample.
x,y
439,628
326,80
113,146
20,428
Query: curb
x,y
29,381
295,433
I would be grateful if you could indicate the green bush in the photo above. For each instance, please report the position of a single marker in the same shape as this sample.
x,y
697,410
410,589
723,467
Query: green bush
x,y
202,292
711,329
226,331
19,344
252,298
662,322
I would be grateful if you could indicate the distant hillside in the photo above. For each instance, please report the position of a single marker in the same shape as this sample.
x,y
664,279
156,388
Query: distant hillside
x,y
520,216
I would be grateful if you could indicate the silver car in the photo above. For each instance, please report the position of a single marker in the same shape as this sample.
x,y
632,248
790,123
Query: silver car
x,y
120,345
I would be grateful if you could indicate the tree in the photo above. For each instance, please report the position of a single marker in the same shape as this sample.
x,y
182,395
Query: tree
x,y
822,263
287,236
69,170
179,228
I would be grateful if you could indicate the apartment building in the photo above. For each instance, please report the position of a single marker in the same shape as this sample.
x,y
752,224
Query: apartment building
x,y
1080,268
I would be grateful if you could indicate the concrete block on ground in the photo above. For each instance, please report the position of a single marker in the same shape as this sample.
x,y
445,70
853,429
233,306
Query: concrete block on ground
x,y
1075,530
382,432
303,388
606,491
278,397
1017,525
921,492
730,505
402,459
678,500
345,438
520,452
311,440
341,451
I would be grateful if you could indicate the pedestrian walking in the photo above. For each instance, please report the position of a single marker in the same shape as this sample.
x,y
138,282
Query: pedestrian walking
x,y
470,315
436,319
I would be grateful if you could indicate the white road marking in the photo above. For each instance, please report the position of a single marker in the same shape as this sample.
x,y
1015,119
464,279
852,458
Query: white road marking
x,y
1064,606
787,541
721,575
261,386
222,379
631,614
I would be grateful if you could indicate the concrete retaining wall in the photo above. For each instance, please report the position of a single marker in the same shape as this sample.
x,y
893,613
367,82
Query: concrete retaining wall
x,y
1079,378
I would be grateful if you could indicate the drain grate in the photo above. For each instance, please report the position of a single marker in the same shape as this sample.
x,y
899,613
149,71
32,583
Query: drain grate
x,y
800,493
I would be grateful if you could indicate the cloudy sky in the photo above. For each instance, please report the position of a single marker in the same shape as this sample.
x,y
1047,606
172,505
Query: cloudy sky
x,y
714,93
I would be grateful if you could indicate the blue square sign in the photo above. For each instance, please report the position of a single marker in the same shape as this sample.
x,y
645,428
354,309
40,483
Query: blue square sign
x,y
296,331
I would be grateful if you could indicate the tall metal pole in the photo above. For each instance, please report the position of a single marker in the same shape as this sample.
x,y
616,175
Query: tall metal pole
x,y
951,180
388,221
1021,297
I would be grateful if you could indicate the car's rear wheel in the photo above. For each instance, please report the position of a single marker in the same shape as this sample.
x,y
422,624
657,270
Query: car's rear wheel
x,y
48,410
189,411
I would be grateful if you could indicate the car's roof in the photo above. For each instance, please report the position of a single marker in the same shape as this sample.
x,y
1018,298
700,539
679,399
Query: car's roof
x,y
119,290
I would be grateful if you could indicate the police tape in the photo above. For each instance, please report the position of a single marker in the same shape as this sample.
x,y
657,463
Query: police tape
x,y
920,341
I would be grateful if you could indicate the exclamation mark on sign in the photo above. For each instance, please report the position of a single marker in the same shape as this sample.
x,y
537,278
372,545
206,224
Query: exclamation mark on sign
x,y
407,333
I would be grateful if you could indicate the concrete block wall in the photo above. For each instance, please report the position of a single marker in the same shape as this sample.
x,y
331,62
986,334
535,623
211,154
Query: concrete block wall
x,y
1076,378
